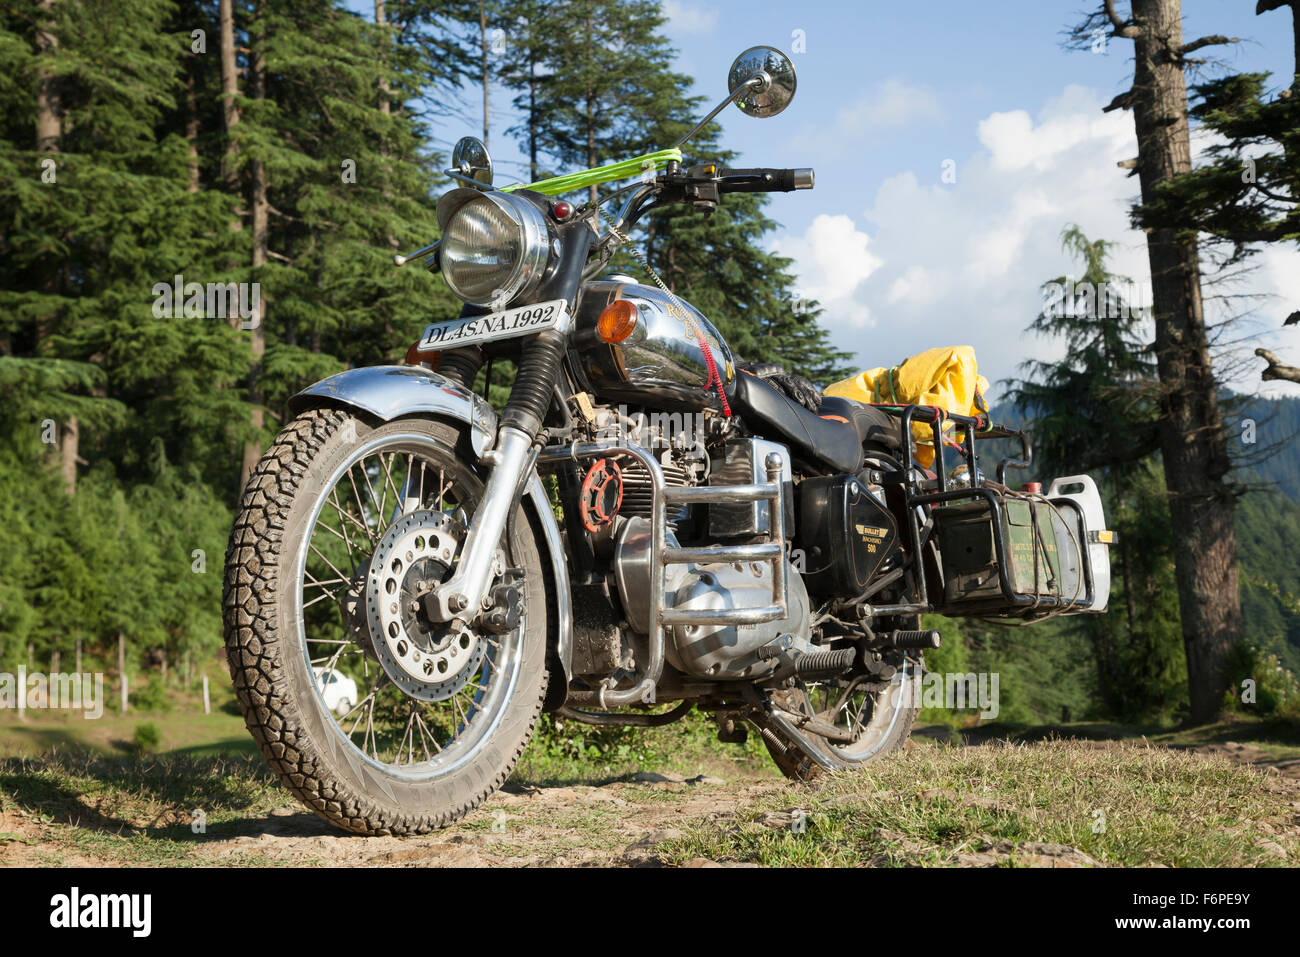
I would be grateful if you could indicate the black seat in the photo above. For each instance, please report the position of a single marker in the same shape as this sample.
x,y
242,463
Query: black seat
x,y
835,442
878,429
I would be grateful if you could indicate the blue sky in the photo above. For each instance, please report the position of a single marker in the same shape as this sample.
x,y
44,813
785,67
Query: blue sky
x,y
888,92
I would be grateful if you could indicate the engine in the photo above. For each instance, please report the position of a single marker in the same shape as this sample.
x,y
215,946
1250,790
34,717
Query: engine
x,y
613,616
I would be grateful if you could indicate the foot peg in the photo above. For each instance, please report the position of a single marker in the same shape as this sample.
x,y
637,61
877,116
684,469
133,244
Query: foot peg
x,y
730,732
914,639
824,664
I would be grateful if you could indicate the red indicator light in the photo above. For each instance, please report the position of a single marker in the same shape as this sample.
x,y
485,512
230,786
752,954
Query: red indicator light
x,y
561,210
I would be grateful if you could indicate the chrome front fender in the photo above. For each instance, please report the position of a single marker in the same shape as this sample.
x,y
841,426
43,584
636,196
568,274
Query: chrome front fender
x,y
389,392
392,391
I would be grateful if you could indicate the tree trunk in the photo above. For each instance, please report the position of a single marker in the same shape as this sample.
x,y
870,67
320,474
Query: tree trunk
x,y
591,141
229,90
192,130
257,172
532,125
1192,437
483,46
1264,6
49,124
49,131
385,93
121,668
68,441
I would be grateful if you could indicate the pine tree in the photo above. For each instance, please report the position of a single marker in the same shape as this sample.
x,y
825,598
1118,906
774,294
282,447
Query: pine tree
x,y
1192,437
595,85
1095,410
1248,194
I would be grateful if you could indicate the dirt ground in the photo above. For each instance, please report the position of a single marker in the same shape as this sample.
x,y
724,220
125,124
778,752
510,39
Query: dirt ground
x,y
621,823
615,824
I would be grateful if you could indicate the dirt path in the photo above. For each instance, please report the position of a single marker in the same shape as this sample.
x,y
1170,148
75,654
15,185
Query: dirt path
x,y
615,824
622,823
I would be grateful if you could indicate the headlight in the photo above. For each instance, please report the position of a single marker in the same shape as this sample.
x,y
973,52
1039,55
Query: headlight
x,y
495,246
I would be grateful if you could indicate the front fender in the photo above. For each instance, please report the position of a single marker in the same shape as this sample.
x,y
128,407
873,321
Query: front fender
x,y
389,392
392,391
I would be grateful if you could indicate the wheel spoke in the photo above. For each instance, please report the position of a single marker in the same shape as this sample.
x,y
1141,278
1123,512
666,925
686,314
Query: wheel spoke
x,y
333,567
379,505
398,501
371,536
390,725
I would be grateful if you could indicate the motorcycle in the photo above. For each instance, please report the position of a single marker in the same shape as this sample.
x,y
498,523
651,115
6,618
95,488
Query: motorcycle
x,y
648,527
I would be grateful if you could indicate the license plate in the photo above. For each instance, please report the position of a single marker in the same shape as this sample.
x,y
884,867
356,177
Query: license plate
x,y
519,321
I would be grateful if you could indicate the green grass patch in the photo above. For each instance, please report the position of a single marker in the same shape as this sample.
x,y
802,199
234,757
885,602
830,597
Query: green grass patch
x,y
138,810
1122,804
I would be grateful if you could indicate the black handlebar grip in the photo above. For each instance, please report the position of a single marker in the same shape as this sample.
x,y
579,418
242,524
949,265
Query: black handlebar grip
x,y
764,180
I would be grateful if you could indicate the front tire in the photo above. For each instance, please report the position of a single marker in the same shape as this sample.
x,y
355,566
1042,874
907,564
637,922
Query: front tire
x,y
359,786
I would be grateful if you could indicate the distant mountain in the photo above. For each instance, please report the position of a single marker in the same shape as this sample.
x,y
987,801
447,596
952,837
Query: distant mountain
x,y
1274,455
1263,440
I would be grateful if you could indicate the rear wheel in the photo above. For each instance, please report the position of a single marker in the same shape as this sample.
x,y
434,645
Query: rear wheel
x,y
875,717
343,527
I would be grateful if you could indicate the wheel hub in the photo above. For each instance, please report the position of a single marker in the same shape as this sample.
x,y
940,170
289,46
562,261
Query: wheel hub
x,y
428,660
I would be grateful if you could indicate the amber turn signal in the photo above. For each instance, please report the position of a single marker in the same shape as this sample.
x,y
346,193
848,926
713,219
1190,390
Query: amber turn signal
x,y
616,322
414,356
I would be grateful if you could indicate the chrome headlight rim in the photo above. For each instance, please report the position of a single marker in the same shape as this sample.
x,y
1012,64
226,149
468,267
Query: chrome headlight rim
x,y
533,233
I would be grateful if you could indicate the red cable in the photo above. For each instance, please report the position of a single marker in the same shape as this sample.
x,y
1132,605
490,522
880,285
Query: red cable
x,y
713,370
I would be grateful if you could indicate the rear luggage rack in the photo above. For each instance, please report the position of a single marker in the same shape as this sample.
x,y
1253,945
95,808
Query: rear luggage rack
x,y
927,508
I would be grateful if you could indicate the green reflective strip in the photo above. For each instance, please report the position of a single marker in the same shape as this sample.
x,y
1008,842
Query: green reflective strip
x,y
601,174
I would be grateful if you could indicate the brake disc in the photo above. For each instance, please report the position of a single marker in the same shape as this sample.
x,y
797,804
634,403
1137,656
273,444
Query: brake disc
x,y
427,660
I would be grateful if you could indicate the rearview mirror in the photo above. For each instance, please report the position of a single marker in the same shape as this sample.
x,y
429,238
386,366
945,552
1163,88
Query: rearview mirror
x,y
775,84
470,159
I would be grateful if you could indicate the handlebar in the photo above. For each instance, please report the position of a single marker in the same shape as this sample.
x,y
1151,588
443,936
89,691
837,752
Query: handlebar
x,y
764,180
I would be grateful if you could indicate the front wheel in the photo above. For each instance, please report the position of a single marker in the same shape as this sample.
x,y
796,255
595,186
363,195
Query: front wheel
x,y
343,528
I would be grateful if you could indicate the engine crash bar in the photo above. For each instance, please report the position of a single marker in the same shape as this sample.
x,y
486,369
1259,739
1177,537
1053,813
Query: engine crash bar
x,y
772,551
662,554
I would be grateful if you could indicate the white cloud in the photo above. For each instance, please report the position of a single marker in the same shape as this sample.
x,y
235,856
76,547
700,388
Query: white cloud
x,y
933,263
833,259
962,263
915,284
890,103
686,19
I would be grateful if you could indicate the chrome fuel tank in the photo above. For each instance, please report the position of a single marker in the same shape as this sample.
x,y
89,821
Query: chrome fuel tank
x,y
661,363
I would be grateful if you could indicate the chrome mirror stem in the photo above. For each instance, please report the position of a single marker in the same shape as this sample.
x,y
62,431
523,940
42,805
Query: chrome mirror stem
x,y
753,82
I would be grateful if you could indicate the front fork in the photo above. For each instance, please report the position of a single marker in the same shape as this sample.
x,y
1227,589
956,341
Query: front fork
x,y
512,459
460,599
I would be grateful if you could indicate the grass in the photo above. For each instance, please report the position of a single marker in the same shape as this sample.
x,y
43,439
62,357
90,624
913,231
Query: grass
x,y
193,733
1125,804
583,754
1277,738
137,810
100,801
